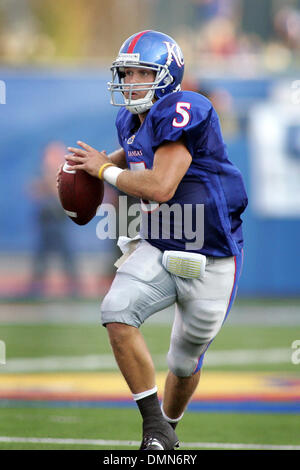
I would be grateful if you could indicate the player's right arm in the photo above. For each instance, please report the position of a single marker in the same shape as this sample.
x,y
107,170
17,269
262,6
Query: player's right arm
x,y
171,162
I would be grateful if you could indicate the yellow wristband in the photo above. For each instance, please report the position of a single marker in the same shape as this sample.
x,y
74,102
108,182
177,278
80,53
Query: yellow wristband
x,y
102,168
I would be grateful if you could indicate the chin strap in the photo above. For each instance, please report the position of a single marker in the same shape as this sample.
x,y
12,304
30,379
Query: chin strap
x,y
140,106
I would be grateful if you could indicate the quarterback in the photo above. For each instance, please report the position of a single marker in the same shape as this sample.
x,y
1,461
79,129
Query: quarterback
x,y
171,153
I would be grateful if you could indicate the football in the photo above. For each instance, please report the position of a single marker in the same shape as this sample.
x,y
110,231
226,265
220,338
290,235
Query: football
x,y
80,194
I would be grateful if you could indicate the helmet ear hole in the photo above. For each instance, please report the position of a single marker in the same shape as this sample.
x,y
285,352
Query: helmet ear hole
x,y
168,80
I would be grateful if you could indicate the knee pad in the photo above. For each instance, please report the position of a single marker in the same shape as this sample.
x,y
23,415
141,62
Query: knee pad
x,y
183,356
115,308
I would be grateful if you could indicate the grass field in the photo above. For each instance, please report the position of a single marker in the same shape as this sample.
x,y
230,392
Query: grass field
x,y
38,349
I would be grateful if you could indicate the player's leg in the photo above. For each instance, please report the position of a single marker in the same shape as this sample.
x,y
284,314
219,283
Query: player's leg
x,y
132,356
141,287
136,365
183,389
203,306
181,381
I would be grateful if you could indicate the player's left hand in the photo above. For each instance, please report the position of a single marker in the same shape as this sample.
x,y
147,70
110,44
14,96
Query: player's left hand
x,y
87,158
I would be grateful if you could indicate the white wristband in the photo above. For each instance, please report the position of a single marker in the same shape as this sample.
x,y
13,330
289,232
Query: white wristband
x,y
111,173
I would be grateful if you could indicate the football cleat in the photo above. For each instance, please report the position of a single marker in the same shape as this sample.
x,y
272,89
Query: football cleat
x,y
151,443
160,438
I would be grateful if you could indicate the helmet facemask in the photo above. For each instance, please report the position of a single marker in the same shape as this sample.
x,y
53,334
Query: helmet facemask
x,y
161,81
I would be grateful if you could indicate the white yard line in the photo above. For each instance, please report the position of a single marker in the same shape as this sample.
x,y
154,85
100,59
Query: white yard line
x,y
115,443
107,361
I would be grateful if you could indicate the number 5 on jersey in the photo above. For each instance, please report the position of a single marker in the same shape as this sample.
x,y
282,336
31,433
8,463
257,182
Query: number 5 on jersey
x,y
182,110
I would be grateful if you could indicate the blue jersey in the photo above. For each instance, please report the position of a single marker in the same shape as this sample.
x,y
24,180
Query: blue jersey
x,y
211,193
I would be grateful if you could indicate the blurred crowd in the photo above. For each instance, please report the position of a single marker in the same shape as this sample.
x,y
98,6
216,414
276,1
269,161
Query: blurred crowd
x,y
240,36
220,44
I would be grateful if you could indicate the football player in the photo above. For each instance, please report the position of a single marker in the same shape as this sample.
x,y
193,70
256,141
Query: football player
x,y
171,154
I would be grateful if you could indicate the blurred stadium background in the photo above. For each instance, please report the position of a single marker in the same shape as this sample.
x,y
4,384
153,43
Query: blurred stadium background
x,y
54,66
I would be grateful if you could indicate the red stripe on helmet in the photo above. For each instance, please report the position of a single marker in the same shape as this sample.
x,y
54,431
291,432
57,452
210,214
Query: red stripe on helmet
x,y
135,40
